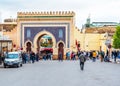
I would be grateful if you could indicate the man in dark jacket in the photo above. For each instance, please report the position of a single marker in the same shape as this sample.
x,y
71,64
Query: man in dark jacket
x,y
32,57
82,61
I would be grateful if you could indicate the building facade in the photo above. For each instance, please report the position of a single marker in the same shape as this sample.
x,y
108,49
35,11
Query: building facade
x,y
26,31
31,26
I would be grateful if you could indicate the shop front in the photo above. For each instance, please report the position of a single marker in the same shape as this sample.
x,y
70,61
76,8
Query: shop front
x,y
5,45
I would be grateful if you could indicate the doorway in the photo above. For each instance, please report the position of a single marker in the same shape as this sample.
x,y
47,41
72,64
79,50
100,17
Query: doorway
x,y
28,48
61,49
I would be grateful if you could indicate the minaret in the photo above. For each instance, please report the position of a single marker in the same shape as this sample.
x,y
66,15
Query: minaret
x,y
88,21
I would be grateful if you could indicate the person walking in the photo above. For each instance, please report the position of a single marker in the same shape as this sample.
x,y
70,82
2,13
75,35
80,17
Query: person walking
x,y
32,56
94,56
82,61
60,56
115,55
0,59
37,57
24,57
101,55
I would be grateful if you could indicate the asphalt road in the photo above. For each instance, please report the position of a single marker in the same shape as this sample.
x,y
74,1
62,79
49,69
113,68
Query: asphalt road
x,y
66,73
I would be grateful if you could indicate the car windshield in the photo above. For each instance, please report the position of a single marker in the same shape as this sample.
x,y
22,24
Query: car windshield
x,y
12,56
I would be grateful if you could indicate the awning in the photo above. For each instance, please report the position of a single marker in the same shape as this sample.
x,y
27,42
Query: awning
x,y
46,49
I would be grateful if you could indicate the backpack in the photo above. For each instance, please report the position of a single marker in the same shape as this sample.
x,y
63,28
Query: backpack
x,y
82,58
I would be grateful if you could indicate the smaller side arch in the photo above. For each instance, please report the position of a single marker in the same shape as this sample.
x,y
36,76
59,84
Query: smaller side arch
x,y
28,41
60,46
60,42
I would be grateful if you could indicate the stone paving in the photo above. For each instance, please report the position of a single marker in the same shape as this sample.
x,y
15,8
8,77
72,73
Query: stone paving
x,y
66,73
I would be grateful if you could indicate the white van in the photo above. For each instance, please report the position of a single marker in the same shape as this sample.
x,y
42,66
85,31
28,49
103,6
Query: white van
x,y
13,59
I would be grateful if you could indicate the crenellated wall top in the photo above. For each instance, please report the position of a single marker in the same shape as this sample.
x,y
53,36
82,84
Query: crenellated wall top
x,y
46,13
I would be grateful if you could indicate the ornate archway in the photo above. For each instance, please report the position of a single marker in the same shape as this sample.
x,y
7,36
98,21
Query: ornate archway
x,y
28,47
39,35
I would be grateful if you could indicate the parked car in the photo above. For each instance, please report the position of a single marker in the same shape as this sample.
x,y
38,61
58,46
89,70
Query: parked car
x,y
13,59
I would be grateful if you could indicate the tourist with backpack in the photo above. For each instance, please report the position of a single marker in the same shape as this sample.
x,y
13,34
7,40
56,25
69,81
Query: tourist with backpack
x,y
82,61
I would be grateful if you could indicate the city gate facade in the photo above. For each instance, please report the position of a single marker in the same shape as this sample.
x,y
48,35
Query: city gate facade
x,y
58,25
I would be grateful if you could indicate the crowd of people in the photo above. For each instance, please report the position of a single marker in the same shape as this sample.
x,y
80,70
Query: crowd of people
x,y
82,56
29,57
89,55
93,55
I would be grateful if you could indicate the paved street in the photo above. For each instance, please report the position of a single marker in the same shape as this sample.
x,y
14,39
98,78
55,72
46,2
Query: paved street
x,y
66,73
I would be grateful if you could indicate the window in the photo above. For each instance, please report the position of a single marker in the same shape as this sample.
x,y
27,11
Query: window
x,y
60,33
28,33
12,56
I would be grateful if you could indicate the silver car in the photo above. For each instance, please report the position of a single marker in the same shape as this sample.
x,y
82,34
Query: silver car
x,y
13,59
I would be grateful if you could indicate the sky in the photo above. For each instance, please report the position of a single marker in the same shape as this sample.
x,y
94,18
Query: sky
x,y
98,10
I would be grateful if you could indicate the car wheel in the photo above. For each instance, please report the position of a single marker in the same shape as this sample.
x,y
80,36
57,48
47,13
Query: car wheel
x,y
18,65
4,66
21,65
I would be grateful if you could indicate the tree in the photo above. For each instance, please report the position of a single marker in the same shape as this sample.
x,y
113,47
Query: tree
x,y
116,38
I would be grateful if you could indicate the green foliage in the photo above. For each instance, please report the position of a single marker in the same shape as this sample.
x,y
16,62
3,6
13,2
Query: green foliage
x,y
116,38
46,44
